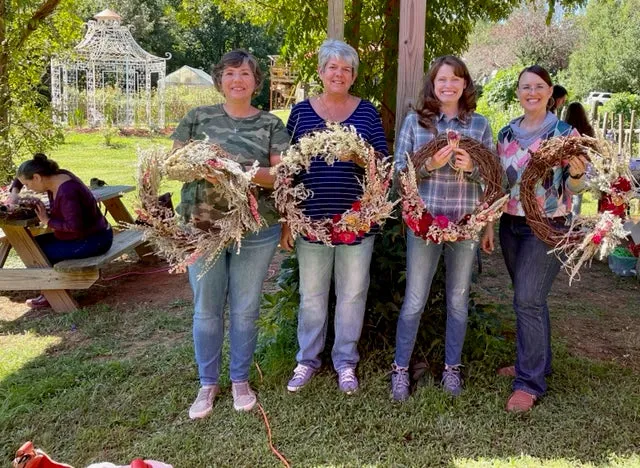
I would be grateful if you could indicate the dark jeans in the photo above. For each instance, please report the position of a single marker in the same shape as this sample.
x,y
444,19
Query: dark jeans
x,y
532,272
57,250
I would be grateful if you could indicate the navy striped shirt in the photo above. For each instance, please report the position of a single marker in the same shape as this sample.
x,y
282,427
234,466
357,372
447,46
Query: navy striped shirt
x,y
335,187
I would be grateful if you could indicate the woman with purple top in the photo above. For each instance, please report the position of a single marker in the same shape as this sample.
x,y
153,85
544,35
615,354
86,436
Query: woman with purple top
x,y
335,188
447,102
80,230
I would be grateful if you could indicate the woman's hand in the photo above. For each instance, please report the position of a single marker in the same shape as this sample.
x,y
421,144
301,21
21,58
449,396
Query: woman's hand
x,y
211,179
487,241
578,166
41,213
286,238
439,159
463,160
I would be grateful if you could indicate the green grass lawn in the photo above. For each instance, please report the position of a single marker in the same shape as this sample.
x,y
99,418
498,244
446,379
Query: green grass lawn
x,y
107,384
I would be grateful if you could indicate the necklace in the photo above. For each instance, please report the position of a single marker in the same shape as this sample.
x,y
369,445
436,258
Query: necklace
x,y
329,114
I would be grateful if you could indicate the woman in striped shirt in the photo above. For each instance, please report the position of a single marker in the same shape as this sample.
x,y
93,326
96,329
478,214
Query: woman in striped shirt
x,y
448,103
335,188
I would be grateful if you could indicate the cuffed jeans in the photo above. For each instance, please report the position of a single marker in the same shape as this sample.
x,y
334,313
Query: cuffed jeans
x,y
350,265
422,263
532,273
238,277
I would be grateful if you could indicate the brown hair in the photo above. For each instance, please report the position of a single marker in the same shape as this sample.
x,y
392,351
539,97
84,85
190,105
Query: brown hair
x,y
542,73
236,58
577,118
428,107
39,164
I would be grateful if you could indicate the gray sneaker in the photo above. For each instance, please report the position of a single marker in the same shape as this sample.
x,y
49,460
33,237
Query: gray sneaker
x,y
301,376
399,382
204,401
244,399
452,380
347,380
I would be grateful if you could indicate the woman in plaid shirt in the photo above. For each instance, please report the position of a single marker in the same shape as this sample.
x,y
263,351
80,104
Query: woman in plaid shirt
x,y
448,101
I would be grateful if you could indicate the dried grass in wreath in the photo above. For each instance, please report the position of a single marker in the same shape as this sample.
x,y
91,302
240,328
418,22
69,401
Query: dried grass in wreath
x,y
439,228
608,178
333,144
182,243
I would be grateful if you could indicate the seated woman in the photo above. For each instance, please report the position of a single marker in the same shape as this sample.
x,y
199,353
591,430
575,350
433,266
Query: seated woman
x,y
80,230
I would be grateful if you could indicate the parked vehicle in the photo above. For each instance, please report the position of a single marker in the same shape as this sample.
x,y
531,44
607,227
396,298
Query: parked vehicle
x,y
598,96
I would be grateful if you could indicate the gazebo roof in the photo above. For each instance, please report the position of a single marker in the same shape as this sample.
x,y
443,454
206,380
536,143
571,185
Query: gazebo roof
x,y
190,76
106,40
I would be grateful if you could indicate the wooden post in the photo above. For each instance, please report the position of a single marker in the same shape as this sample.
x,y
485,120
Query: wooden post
x,y
413,15
604,124
621,134
335,28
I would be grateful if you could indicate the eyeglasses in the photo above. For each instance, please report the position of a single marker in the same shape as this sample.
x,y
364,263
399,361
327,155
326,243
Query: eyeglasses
x,y
536,88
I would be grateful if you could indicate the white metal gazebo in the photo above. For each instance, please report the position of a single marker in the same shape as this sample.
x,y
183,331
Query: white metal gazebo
x,y
106,74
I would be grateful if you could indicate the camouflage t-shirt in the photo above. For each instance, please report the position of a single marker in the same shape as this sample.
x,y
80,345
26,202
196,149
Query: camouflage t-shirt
x,y
247,139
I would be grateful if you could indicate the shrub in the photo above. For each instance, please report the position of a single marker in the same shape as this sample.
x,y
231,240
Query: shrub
x,y
623,103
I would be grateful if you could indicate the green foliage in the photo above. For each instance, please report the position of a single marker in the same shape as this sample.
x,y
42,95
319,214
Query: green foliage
x,y
623,103
501,90
606,58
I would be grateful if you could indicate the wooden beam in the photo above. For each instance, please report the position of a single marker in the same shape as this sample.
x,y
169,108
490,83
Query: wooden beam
x,y
29,279
335,28
410,55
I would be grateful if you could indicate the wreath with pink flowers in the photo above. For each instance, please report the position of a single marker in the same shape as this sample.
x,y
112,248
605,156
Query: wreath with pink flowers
x,y
336,143
610,181
439,228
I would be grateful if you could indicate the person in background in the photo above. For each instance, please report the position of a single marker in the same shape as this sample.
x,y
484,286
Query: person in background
x,y
80,230
559,97
576,116
448,101
248,134
531,268
335,188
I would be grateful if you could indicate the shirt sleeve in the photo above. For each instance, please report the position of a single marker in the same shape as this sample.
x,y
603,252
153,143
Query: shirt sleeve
x,y
184,130
279,137
70,206
404,141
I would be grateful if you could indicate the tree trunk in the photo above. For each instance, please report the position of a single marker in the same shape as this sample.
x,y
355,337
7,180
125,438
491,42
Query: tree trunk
x,y
6,161
352,28
390,77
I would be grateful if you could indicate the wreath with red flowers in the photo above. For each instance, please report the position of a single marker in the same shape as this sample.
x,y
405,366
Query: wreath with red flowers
x,y
439,228
336,143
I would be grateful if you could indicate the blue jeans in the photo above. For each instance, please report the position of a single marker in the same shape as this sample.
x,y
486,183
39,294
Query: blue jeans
x,y
57,250
422,263
238,277
350,265
532,272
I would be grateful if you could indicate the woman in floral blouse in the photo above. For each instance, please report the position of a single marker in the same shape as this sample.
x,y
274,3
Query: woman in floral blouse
x,y
531,269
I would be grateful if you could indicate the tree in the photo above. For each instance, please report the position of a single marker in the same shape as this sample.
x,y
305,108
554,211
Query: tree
x,y
523,39
29,32
372,28
606,58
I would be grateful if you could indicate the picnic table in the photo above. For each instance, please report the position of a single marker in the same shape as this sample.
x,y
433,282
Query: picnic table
x,y
56,280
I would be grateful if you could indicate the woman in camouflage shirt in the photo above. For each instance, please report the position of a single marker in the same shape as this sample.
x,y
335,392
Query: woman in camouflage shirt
x,y
250,135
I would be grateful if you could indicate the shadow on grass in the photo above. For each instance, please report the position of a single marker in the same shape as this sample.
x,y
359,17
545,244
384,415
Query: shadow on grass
x,y
114,384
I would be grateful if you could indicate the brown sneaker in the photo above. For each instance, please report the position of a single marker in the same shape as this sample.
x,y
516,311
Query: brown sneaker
x,y
520,402
509,371
39,302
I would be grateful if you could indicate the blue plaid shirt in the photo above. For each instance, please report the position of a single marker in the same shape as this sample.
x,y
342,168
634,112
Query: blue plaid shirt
x,y
440,189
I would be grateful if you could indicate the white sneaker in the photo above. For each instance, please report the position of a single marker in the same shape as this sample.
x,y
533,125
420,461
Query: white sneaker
x,y
204,401
244,399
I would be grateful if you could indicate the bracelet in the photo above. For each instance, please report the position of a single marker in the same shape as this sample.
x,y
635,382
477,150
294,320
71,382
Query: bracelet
x,y
579,176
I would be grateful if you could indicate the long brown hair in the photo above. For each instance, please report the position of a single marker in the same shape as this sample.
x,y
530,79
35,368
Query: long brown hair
x,y
428,107
577,118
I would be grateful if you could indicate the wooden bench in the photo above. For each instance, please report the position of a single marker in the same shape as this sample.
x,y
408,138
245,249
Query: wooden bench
x,y
123,242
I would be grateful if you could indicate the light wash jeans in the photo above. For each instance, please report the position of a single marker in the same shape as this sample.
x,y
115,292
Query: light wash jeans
x,y
422,263
239,278
350,266
532,272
